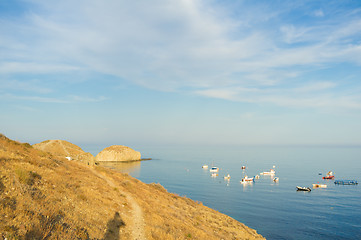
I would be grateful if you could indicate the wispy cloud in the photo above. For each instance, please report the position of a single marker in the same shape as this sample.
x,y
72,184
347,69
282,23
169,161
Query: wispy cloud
x,y
42,99
31,85
34,67
319,13
315,95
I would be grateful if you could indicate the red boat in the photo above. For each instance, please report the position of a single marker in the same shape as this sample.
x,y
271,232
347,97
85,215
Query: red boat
x,y
329,177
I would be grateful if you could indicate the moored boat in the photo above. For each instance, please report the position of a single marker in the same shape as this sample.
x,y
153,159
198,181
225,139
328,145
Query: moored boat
x,y
205,166
227,177
329,177
306,189
271,172
317,185
346,182
243,167
214,169
276,179
247,179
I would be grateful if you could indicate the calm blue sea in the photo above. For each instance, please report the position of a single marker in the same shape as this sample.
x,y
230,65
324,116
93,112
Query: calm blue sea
x,y
275,210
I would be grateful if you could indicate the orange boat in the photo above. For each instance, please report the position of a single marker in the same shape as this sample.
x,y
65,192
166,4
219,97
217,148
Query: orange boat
x,y
329,177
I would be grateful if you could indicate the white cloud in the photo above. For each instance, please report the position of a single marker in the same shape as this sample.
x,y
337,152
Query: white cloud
x,y
28,86
34,67
317,86
319,13
64,99
313,95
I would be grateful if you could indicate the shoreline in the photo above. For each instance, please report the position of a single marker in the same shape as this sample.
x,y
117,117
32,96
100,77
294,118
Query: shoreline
x,y
128,161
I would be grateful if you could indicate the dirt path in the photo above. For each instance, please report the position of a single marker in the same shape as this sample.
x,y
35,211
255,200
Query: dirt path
x,y
138,223
61,144
66,151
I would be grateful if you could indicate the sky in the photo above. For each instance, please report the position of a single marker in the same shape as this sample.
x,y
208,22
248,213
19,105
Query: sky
x,y
181,72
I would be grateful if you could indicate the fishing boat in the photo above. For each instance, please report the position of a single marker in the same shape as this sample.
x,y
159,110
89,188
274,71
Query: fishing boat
x,y
306,189
247,179
317,185
329,175
205,166
346,182
214,169
227,177
271,172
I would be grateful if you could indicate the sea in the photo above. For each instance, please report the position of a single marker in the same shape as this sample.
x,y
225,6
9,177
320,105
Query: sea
x,y
274,209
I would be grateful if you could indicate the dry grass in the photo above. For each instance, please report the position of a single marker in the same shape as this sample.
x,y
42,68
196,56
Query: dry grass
x,y
42,197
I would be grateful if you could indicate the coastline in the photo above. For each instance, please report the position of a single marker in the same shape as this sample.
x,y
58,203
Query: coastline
x,y
51,197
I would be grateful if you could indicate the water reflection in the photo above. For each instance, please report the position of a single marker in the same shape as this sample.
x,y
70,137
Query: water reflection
x,y
132,168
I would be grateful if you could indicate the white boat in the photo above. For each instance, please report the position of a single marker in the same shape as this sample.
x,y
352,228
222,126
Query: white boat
x,y
214,169
271,172
205,166
227,177
276,179
243,167
214,174
306,189
247,179
316,185
256,177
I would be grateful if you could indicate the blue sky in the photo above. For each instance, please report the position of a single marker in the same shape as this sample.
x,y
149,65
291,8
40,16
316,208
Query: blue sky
x,y
181,72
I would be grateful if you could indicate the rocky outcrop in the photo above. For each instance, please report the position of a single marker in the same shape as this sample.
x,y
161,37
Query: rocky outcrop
x,y
118,153
64,149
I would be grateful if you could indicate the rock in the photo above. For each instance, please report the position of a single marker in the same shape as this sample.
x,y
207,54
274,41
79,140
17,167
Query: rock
x,y
118,153
64,149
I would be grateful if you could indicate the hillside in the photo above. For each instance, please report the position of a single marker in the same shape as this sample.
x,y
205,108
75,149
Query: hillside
x,y
64,149
46,197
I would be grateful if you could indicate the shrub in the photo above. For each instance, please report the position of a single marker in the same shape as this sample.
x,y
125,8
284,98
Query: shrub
x,y
8,202
27,177
27,145
2,187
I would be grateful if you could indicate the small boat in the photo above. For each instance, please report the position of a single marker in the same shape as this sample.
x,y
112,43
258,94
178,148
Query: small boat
x,y
306,189
214,174
346,182
317,185
214,169
247,179
276,179
256,177
329,177
243,167
205,166
227,177
271,172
